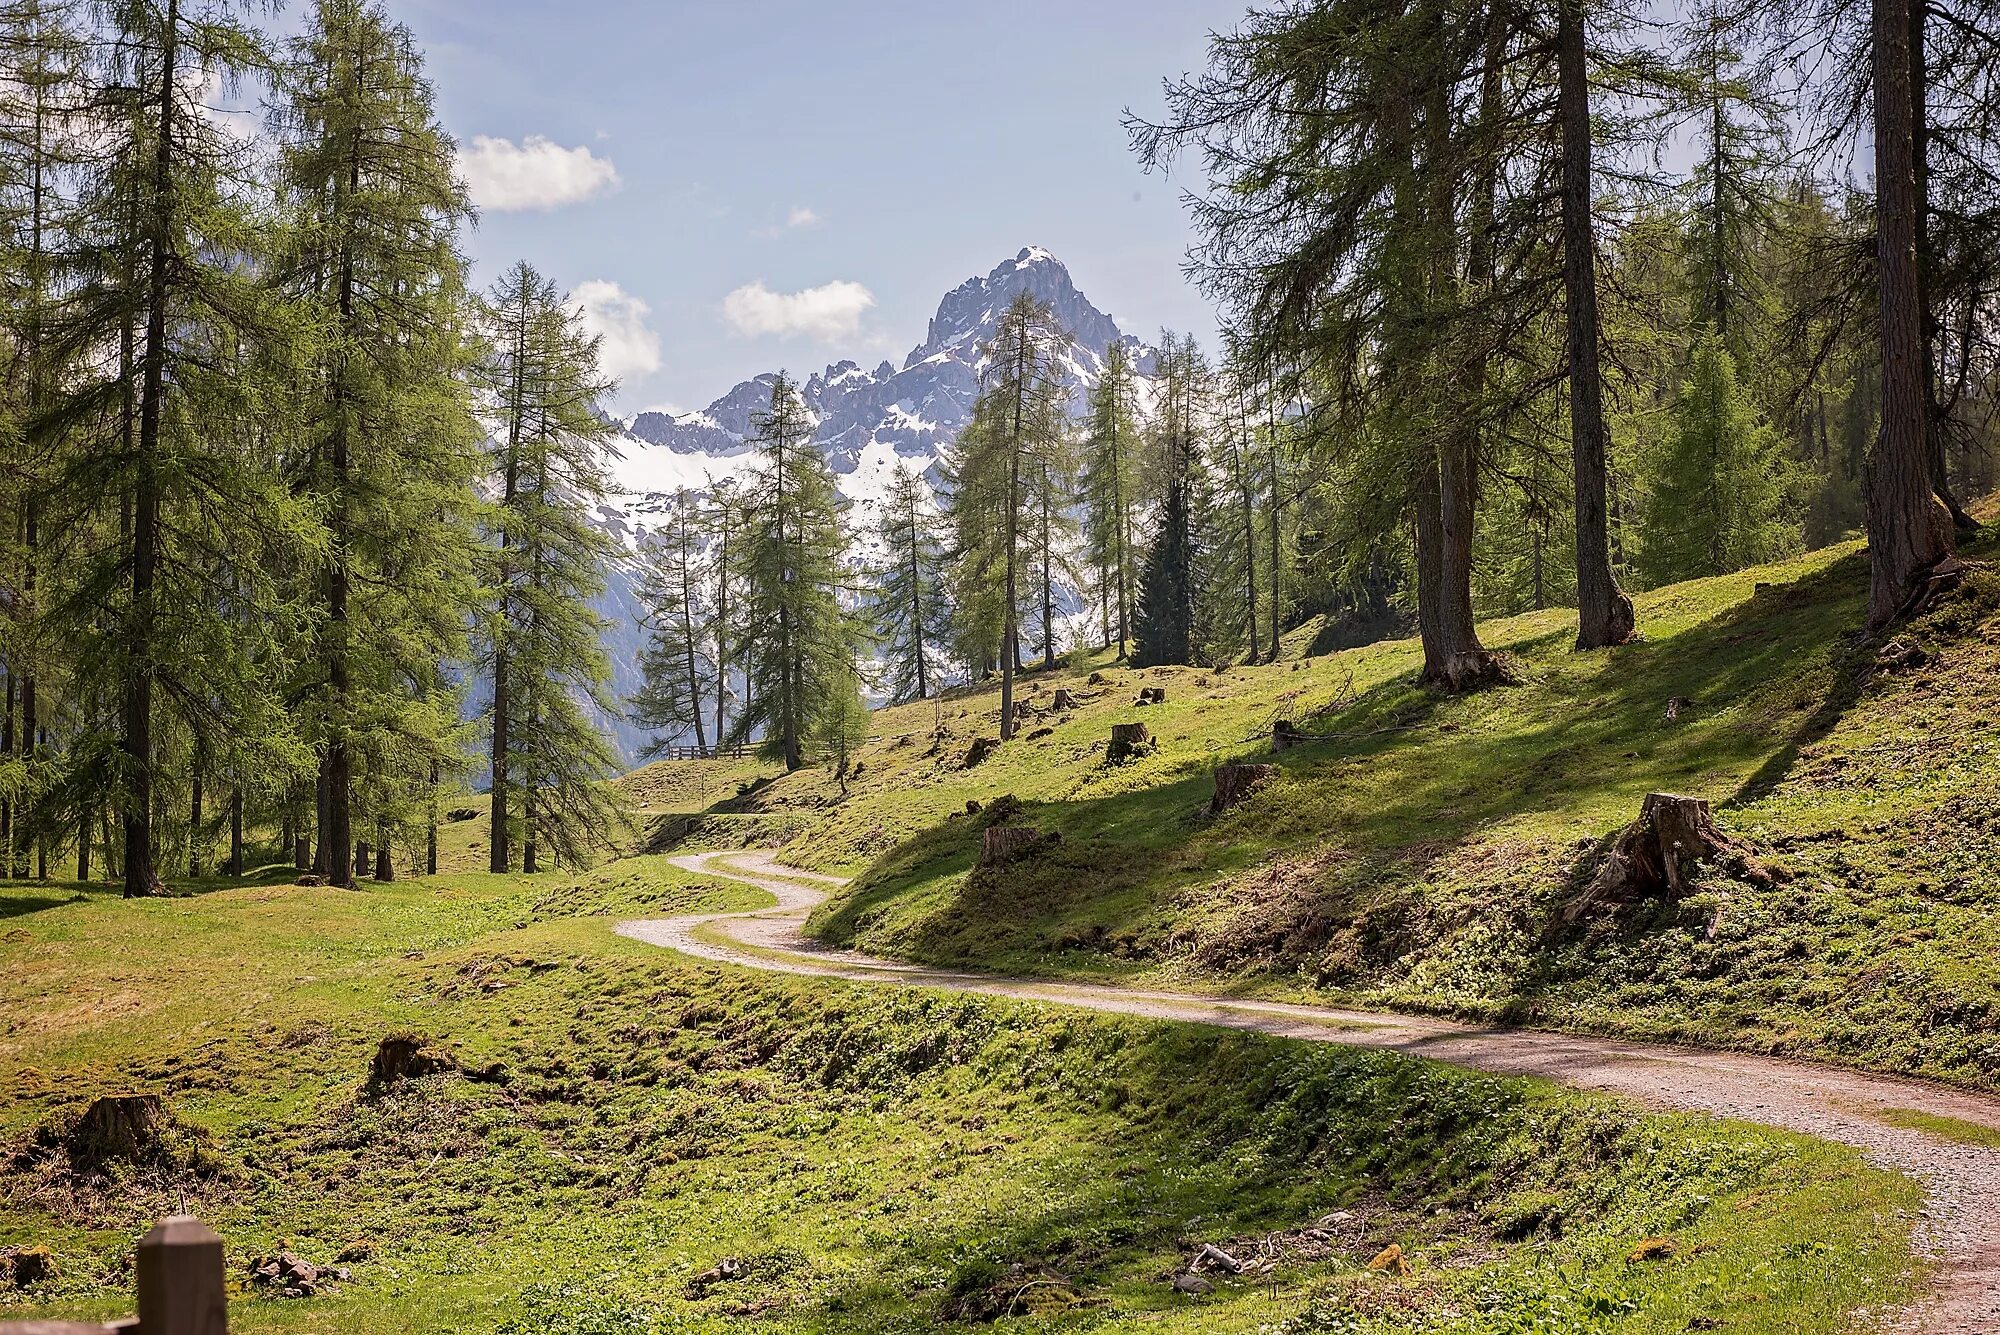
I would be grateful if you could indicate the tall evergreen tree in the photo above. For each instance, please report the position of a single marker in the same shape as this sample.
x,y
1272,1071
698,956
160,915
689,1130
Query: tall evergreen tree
x,y
391,446
798,640
550,762
42,81
1111,450
676,663
1165,630
1010,458
911,615
171,430
1720,501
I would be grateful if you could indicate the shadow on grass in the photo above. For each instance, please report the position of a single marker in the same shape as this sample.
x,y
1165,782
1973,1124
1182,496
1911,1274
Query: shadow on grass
x,y
1403,776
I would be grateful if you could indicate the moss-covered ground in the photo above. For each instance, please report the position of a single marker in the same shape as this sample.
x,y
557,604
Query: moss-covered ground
x,y
1427,851
622,1119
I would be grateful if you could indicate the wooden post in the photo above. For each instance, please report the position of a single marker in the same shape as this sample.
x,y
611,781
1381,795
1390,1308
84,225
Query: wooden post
x,y
180,1279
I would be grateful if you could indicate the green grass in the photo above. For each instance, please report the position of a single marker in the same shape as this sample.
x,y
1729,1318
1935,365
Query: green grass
x,y
1422,851
1944,1128
880,1160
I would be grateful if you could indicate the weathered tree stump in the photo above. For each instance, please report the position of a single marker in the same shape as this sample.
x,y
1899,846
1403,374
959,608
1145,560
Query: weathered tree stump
x,y
1128,741
1097,679
1658,853
120,1126
1005,843
1285,735
981,748
1064,700
1235,783
402,1057
26,1267
1152,695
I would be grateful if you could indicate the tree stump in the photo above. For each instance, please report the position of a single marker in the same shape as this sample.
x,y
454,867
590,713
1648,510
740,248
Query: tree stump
x,y
26,1267
1097,679
1005,843
1235,783
402,1057
120,1126
1658,853
1064,700
1128,741
1152,695
1285,735
981,748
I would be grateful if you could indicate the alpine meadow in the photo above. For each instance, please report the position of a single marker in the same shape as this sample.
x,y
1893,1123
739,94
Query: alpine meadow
x,y
1437,774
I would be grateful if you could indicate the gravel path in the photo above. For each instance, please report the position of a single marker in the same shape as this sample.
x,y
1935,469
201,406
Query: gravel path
x,y
1960,1227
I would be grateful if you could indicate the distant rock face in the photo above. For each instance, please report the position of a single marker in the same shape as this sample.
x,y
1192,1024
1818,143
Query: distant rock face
x,y
912,411
868,423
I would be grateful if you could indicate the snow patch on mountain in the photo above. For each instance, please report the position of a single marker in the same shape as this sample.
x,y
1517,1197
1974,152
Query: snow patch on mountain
x,y
869,423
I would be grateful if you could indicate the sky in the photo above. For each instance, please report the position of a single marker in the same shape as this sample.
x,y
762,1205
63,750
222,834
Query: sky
x,y
737,186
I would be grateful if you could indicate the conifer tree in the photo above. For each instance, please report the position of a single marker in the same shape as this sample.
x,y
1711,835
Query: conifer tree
x,y
911,616
1720,501
180,520
42,83
1111,449
550,762
675,662
798,641
840,726
1010,455
726,522
390,444
977,499
1165,629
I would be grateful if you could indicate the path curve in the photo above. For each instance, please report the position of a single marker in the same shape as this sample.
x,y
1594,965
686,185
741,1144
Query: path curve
x,y
1960,1227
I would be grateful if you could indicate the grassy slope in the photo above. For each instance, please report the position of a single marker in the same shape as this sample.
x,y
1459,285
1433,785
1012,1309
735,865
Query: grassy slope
x,y
882,1161
1421,854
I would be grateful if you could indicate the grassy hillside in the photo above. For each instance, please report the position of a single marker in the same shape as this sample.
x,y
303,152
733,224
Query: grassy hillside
x,y
621,1120
1426,851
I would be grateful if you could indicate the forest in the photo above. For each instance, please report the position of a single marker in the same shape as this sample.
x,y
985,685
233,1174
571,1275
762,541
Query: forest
x,y
1523,309
1459,803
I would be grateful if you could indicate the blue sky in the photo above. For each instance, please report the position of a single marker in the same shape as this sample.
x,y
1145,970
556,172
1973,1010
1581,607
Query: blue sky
x,y
837,167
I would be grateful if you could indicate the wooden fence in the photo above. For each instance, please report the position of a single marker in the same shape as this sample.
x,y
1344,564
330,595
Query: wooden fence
x,y
736,752
179,1268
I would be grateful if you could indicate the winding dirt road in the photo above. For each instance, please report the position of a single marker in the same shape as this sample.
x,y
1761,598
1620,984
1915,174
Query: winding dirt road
x,y
1960,1227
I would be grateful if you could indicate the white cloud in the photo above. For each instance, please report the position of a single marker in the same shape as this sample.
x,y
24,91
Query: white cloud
x,y
801,216
631,346
536,173
829,311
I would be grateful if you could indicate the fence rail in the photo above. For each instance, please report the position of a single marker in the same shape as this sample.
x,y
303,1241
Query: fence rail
x,y
180,1288
739,751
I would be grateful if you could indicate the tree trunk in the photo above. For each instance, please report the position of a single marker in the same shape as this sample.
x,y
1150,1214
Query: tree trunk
x,y
1604,613
385,867
431,830
194,819
236,831
83,835
141,877
1909,532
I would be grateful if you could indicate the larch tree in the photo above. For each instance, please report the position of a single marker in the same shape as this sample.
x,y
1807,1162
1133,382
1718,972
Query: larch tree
x,y
1015,456
912,618
390,449
798,640
542,640
677,663
1909,530
43,80
179,519
1110,476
